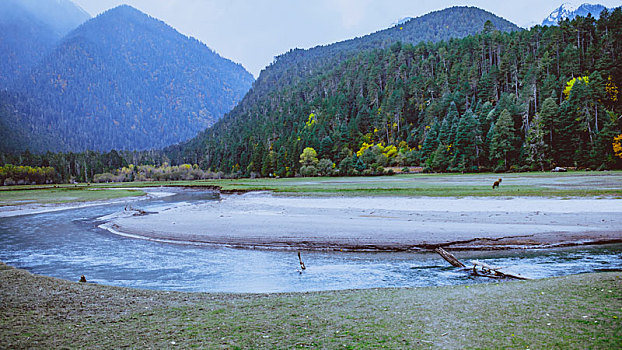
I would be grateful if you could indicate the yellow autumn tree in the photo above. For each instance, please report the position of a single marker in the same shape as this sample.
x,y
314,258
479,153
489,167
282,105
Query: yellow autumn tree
x,y
612,89
617,146
308,157
571,83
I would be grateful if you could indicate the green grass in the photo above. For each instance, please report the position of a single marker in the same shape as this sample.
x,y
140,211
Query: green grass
x,y
439,185
561,185
573,312
63,195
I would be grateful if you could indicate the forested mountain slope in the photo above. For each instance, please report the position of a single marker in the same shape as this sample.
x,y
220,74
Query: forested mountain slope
x,y
125,80
17,135
29,29
298,64
526,99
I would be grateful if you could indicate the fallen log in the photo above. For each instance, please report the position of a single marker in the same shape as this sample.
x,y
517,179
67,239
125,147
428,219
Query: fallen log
x,y
484,270
494,271
449,257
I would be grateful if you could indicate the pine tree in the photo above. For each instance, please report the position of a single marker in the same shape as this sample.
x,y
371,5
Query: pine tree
x,y
326,147
439,160
549,115
446,135
431,140
536,145
503,143
468,138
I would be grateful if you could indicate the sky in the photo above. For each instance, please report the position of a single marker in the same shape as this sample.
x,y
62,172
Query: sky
x,y
253,32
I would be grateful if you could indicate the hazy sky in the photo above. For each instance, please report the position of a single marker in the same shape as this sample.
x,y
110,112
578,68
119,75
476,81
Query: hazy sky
x,y
252,32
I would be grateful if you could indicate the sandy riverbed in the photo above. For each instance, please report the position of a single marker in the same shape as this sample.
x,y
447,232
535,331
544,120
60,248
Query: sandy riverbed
x,y
380,223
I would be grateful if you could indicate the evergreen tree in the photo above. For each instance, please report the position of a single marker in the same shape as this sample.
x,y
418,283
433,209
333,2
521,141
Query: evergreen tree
x,y
440,159
536,145
549,115
446,134
503,143
431,140
326,147
468,138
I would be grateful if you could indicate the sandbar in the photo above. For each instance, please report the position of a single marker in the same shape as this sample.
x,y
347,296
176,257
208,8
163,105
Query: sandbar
x,y
267,221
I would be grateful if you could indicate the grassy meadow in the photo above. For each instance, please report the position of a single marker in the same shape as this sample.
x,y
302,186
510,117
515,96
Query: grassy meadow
x,y
575,184
573,312
61,194
562,185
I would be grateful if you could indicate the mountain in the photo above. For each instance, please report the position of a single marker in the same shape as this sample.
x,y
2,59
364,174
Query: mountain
x,y
401,21
18,133
29,29
62,16
567,11
299,66
490,101
124,80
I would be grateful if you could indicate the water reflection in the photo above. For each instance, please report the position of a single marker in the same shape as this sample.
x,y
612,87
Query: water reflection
x,y
68,244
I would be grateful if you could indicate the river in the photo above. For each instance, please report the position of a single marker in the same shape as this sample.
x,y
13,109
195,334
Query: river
x,y
68,243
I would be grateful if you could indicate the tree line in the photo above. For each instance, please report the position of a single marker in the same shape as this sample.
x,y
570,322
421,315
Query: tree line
x,y
78,167
526,100
19,175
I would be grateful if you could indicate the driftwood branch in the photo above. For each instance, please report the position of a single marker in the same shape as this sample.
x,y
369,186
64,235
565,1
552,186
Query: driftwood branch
x,y
449,257
302,265
494,271
479,268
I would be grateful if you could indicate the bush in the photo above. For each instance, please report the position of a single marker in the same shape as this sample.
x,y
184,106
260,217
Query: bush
x,y
325,167
308,170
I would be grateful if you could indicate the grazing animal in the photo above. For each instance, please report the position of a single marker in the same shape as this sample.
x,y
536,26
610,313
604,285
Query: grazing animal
x,y
82,279
496,184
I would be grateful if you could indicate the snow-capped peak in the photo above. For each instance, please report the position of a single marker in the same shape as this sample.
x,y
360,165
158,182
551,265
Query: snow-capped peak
x,y
569,11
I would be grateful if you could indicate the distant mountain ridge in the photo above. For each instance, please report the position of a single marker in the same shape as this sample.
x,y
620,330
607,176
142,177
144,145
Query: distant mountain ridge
x,y
125,80
62,16
568,11
29,30
453,22
300,66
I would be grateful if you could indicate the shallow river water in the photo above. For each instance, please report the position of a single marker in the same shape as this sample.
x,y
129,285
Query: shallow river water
x,y
67,244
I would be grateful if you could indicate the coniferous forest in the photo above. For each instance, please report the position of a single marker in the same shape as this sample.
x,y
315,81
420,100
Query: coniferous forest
x,y
502,99
525,100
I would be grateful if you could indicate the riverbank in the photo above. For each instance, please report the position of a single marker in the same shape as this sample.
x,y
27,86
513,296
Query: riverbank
x,y
573,312
268,221
36,201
